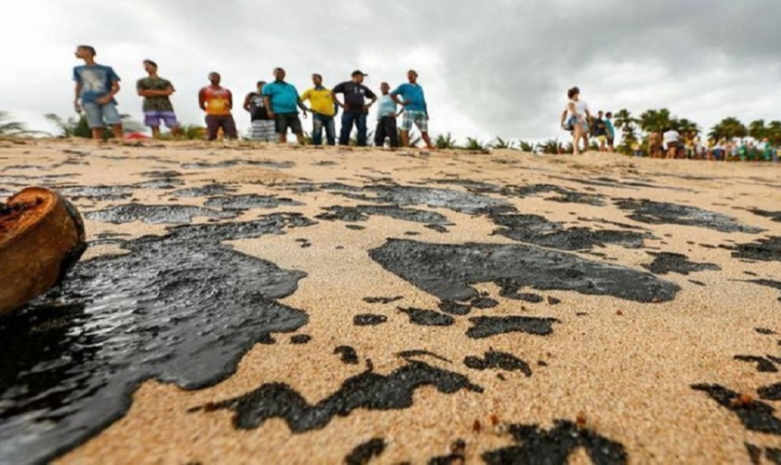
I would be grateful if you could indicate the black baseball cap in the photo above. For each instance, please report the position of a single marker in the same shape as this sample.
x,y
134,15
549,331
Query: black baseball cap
x,y
357,72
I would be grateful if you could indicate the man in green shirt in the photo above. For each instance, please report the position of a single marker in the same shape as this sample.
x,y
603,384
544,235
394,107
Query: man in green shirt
x,y
157,104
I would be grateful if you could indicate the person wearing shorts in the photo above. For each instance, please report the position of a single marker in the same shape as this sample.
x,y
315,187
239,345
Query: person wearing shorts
x,y
157,103
611,132
672,142
575,119
263,127
415,109
600,131
96,86
281,100
217,102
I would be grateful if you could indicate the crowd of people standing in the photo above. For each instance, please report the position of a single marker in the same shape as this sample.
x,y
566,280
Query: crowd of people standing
x,y
578,120
669,143
273,107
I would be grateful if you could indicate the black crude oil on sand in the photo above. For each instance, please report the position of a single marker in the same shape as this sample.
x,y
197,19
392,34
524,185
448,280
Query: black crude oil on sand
x,y
255,304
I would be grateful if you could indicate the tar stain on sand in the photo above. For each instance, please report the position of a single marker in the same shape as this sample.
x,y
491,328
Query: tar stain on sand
x,y
765,250
501,360
363,212
449,271
209,190
102,193
462,202
422,317
665,262
154,214
348,355
755,415
382,300
554,446
650,212
369,319
489,326
774,216
235,162
365,452
249,201
180,308
368,390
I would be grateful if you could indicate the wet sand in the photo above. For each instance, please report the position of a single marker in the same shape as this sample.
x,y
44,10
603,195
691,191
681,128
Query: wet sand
x,y
627,308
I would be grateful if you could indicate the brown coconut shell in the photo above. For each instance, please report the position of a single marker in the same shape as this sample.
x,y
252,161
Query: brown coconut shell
x,y
41,238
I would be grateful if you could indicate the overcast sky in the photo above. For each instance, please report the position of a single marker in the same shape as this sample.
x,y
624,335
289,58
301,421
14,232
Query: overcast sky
x,y
489,68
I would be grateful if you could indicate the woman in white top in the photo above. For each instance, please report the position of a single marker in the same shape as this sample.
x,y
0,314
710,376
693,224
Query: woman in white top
x,y
577,116
672,141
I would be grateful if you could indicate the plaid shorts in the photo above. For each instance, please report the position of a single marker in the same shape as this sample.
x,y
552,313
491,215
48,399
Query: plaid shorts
x,y
264,130
418,117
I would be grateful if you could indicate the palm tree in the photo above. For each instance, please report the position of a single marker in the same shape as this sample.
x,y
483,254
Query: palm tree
x,y
757,129
11,128
445,142
525,146
774,133
628,126
501,144
728,128
656,120
684,126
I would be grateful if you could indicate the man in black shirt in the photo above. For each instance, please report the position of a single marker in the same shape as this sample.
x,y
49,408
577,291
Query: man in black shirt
x,y
600,131
355,107
263,128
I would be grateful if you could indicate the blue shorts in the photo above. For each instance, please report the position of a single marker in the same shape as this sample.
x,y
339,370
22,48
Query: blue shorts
x,y
153,118
573,121
99,116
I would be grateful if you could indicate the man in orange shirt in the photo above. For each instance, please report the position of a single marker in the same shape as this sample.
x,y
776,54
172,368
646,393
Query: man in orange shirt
x,y
217,102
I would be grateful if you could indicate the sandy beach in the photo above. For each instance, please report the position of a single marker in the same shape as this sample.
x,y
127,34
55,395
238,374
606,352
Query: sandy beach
x,y
246,303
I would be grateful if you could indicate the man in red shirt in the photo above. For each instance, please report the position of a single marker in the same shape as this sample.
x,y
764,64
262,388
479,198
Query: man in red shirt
x,y
217,102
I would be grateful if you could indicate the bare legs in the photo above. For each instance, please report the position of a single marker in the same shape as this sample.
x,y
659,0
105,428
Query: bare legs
x,y
579,134
404,136
97,133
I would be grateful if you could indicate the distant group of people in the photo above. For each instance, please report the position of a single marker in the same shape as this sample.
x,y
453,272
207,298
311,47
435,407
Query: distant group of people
x,y
273,107
578,120
671,144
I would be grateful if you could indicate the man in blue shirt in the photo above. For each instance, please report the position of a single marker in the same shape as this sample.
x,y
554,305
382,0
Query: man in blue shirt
x,y
96,86
386,119
281,100
415,109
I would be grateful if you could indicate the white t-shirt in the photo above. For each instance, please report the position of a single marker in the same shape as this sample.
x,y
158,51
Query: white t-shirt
x,y
580,106
671,136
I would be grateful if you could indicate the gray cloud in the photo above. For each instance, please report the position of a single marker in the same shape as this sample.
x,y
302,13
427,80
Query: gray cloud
x,y
499,67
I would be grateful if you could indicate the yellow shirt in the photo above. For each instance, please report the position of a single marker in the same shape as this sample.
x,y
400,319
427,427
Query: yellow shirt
x,y
320,100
